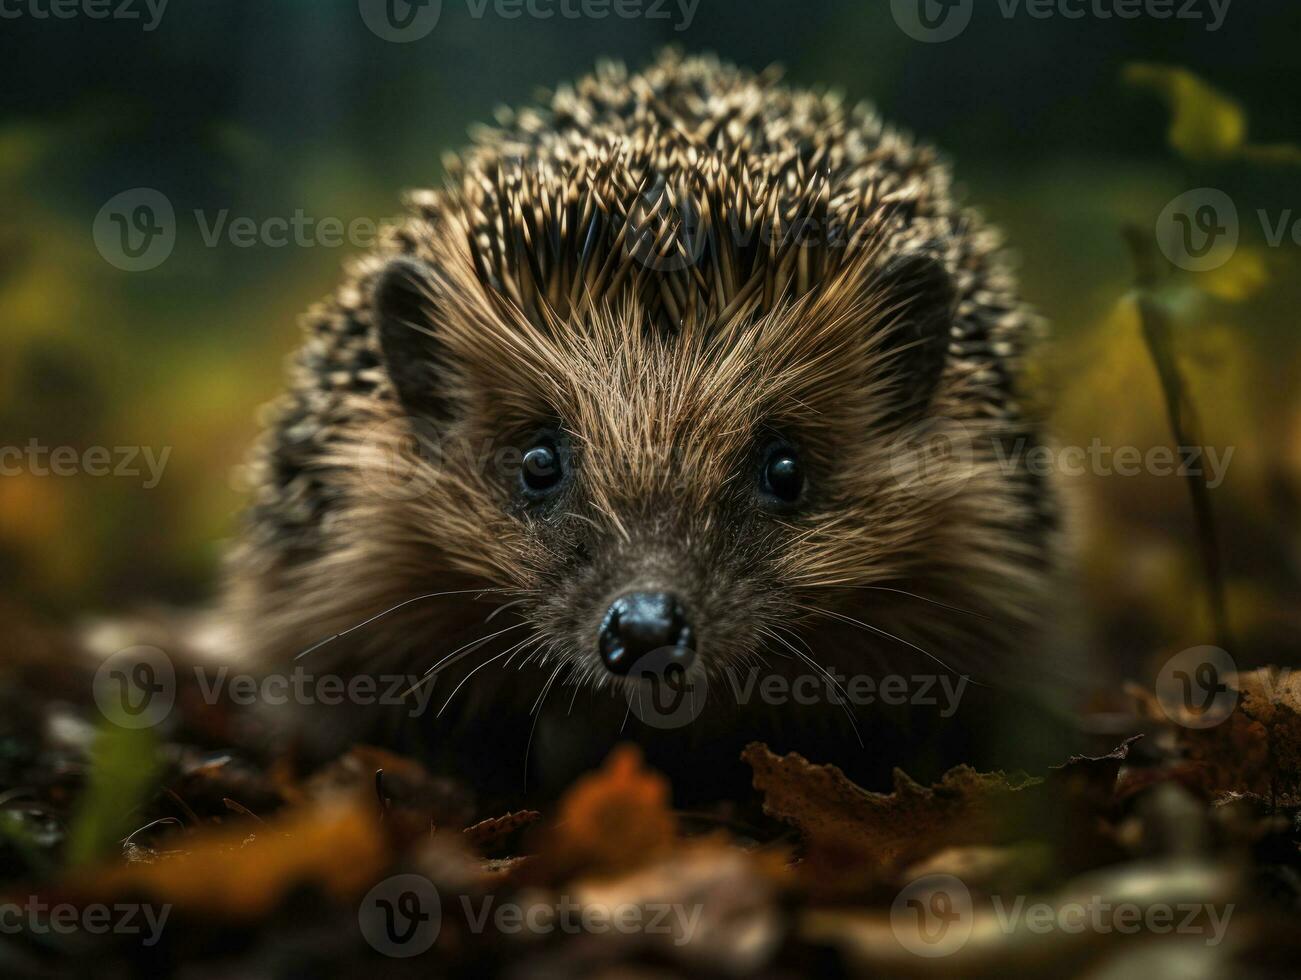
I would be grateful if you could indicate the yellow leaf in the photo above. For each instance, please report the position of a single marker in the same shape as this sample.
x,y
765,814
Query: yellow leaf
x,y
1204,124
1242,277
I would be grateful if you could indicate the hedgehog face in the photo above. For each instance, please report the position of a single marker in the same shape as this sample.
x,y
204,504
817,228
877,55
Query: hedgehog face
x,y
657,368
679,495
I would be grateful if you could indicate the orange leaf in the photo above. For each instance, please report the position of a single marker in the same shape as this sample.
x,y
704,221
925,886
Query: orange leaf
x,y
235,874
615,819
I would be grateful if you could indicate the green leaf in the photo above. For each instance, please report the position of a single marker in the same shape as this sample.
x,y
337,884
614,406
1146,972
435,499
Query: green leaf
x,y
124,767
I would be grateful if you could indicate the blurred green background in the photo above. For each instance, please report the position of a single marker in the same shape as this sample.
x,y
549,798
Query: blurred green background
x,y
266,109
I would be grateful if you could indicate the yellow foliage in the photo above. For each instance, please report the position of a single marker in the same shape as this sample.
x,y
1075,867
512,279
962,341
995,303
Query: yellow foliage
x,y
1206,125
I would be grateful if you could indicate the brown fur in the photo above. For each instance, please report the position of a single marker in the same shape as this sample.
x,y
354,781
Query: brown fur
x,y
669,265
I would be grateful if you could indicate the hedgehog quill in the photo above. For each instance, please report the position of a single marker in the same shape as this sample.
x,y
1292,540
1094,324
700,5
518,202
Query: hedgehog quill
x,y
657,378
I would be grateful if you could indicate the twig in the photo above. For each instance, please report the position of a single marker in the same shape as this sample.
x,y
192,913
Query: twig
x,y
1182,416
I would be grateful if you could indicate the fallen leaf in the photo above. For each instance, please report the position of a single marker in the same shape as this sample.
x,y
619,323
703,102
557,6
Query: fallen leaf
x,y
722,906
846,826
1257,748
613,820
235,874
489,836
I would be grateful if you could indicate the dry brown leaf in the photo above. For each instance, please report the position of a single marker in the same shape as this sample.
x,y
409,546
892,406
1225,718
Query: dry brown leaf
x,y
238,874
488,836
613,820
1257,749
878,833
857,839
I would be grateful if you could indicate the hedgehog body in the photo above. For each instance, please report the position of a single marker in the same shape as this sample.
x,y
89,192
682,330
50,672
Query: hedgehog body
x,y
768,365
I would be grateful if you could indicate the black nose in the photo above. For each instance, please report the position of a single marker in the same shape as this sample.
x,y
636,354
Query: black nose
x,y
642,622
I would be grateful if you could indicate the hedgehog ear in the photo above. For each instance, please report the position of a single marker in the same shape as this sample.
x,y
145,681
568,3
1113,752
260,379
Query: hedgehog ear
x,y
922,299
403,298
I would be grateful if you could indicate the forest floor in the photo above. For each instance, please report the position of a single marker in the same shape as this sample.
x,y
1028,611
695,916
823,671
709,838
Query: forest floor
x,y
197,850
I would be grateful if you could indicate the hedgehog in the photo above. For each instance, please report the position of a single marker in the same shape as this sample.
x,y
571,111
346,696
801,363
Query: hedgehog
x,y
680,367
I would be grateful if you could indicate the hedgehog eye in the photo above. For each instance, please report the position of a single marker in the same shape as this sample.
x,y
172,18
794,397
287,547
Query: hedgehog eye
x,y
782,476
542,470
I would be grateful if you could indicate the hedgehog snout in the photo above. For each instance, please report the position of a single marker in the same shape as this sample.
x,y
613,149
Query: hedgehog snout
x,y
646,631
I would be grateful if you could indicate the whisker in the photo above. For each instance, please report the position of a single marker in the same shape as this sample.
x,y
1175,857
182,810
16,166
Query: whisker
x,y
813,663
898,639
914,595
469,648
794,635
542,693
503,607
458,687
537,714
391,609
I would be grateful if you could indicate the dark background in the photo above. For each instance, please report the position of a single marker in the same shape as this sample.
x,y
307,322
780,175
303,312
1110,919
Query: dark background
x,y
264,108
